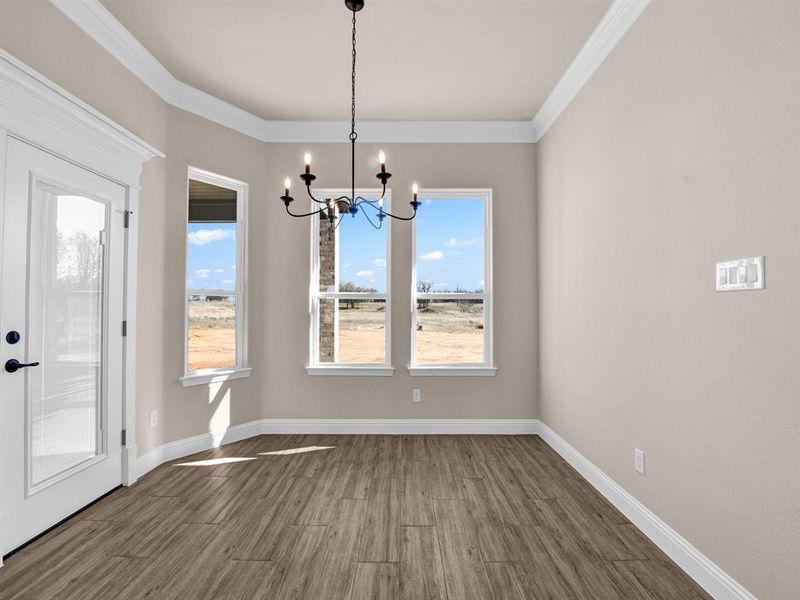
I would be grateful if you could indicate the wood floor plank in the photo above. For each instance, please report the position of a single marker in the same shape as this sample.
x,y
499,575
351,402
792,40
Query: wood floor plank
x,y
505,582
262,530
376,581
330,517
380,531
332,571
464,571
104,577
416,503
651,580
421,572
294,568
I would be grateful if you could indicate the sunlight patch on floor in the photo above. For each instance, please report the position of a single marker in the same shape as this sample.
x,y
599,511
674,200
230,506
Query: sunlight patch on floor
x,y
296,450
211,462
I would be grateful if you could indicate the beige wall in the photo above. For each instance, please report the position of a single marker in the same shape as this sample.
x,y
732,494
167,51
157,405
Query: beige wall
x,y
278,254
681,151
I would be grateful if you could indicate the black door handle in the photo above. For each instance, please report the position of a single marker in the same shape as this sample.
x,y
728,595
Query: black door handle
x,y
13,365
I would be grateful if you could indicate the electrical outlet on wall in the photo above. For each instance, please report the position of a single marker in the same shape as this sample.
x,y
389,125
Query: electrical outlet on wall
x,y
416,395
153,418
638,460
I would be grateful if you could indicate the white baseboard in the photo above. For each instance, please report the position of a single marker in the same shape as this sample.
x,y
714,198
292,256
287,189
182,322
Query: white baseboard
x,y
404,426
206,441
696,564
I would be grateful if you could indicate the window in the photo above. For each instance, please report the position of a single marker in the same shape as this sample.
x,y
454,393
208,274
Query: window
x,y
350,294
215,299
452,284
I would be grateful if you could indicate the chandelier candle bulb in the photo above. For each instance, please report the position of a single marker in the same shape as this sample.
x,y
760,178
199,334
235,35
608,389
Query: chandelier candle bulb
x,y
287,184
307,158
382,161
415,191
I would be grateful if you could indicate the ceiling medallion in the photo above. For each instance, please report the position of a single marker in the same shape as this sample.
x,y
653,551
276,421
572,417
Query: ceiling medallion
x,y
334,209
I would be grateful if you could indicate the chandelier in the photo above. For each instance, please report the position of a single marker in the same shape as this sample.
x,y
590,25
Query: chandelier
x,y
334,209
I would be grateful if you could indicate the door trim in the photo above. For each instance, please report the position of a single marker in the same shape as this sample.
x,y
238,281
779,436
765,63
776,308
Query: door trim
x,y
37,111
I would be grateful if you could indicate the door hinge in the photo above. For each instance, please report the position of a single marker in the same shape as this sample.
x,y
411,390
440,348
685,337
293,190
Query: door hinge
x,y
124,328
124,437
127,218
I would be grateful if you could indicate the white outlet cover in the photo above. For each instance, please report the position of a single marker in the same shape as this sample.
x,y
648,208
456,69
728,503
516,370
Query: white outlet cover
x,y
153,418
416,395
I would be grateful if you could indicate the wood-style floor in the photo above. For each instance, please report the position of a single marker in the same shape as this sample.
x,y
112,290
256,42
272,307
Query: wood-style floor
x,y
351,518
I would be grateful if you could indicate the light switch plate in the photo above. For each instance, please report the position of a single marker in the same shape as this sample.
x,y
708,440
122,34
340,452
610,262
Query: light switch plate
x,y
741,274
638,461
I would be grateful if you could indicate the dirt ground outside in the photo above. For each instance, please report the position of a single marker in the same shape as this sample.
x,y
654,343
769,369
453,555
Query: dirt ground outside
x,y
448,332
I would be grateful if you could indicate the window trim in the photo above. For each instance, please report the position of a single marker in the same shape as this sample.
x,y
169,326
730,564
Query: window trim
x,y
240,370
313,366
486,368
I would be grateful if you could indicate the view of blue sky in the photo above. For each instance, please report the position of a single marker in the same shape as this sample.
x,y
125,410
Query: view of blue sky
x,y
362,252
212,256
449,249
450,244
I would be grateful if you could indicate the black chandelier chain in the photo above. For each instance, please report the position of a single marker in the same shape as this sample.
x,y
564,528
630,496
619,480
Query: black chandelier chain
x,y
353,134
334,209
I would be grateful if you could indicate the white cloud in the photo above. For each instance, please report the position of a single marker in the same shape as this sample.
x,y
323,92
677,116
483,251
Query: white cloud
x,y
453,242
481,283
206,236
380,262
227,281
233,267
219,270
435,255
203,273
365,273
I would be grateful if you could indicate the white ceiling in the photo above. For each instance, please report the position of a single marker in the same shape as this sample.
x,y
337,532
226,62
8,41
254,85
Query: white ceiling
x,y
470,60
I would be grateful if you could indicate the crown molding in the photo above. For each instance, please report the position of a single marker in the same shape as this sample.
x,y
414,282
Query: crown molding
x,y
35,109
98,22
614,24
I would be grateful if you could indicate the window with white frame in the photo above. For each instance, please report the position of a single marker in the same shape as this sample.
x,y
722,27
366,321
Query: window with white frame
x,y
215,296
350,292
452,282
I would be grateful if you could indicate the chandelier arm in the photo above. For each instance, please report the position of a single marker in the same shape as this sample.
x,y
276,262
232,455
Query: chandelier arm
x,y
366,216
388,214
339,221
310,195
310,214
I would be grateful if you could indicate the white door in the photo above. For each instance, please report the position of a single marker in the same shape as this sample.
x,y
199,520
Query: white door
x,y
61,294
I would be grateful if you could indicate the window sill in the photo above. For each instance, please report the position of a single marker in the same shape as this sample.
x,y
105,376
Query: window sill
x,y
350,370
216,376
451,371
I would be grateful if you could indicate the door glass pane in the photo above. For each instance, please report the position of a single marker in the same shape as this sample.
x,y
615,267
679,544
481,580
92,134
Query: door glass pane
x,y
450,331
212,332
66,298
